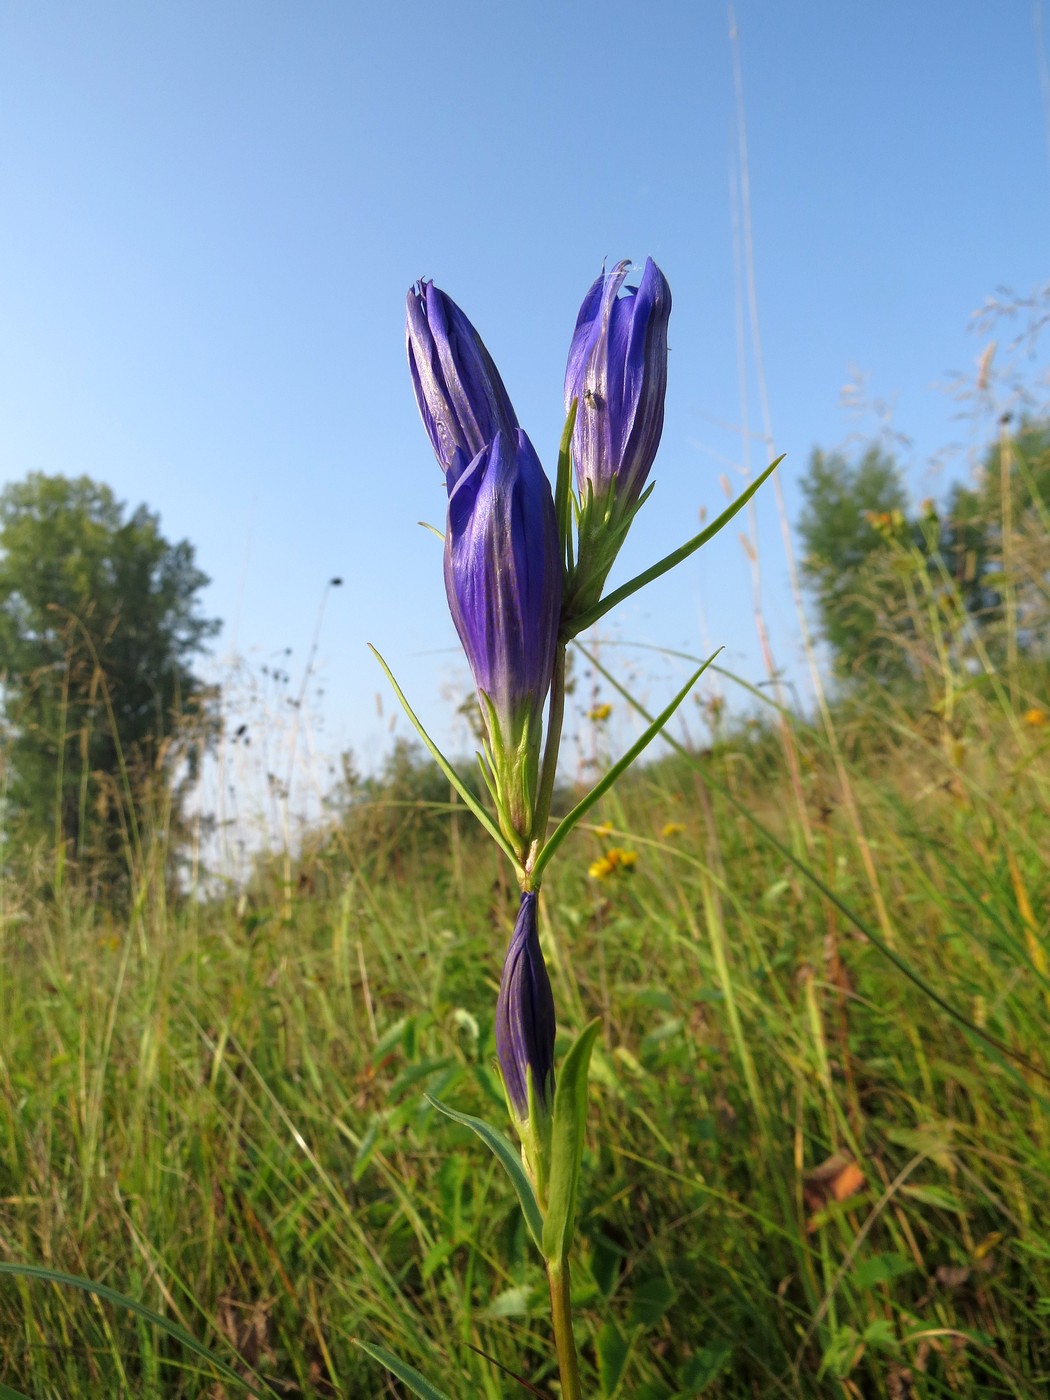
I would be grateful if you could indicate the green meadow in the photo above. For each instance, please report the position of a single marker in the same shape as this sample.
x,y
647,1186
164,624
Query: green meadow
x,y
818,1150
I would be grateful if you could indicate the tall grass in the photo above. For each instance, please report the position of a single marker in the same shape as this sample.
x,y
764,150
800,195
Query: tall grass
x,y
818,1162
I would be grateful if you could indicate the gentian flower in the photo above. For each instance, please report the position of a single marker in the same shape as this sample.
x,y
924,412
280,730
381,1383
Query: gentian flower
x,y
503,578
525,1021
617,370
617,373
460,394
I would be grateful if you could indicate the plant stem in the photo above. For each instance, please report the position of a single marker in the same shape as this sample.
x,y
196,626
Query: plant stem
x,y
549,766
561,1316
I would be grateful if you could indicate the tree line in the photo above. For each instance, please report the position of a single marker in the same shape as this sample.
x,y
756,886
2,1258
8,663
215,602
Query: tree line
x,y
875,565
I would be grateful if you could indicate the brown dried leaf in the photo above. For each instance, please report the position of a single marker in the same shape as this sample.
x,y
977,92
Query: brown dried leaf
x,y
836,1179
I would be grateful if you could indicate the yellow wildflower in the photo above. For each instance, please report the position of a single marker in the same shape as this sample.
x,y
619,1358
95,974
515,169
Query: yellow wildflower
x,y
601,867
597,713
615,858
672,829
1035,717
605,829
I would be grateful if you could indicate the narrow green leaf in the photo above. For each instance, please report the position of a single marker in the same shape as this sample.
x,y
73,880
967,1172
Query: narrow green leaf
x,y
6,1393
418,1384
509,1158
606,781
669,561
570,1119
446,767
163,1324
563,486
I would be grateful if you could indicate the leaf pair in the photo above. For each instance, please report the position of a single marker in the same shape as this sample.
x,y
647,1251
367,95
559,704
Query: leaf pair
x,y
551,1231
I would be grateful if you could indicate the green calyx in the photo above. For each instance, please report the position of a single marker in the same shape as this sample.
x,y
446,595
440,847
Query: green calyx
x,y
510,762
602,525
534,1135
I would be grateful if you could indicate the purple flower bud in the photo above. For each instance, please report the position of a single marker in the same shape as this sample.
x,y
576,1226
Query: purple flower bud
x,y
460,394
617,370
503,577
525,1022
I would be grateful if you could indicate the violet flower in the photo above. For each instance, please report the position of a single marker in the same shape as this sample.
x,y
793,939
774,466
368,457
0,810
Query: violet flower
x,y
617,374
617,370
525,1020
460,394
503,578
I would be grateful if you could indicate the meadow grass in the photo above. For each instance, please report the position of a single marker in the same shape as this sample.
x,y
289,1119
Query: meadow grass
x,y
817,1164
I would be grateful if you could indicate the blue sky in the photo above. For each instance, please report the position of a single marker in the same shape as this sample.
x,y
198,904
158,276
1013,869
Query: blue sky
x,y
212,213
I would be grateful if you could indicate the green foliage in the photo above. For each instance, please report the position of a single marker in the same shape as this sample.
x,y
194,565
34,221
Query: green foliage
x,y
98,626
406,818
845,503
816,1159
226,1118
993,535
874,566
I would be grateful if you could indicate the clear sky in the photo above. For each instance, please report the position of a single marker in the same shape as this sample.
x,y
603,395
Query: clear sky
x,y
211,213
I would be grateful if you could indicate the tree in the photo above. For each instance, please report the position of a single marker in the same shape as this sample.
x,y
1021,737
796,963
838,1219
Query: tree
x,y
980,562
849,508
99,623
996,537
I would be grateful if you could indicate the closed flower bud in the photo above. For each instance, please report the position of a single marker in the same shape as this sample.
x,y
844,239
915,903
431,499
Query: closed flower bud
x,y
525,1020
503,577
617,373
460,394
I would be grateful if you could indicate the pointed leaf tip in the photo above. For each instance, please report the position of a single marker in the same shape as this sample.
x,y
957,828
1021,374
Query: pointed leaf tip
x,y
416,1382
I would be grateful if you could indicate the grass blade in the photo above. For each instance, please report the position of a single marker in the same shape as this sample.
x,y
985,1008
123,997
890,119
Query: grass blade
x,y
163,1324
417,1383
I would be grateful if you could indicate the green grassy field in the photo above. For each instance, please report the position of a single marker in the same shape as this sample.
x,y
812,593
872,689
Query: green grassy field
x,y
819,1150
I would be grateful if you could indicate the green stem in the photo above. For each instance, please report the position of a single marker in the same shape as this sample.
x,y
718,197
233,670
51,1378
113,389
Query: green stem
x,y
561,1316
549,766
